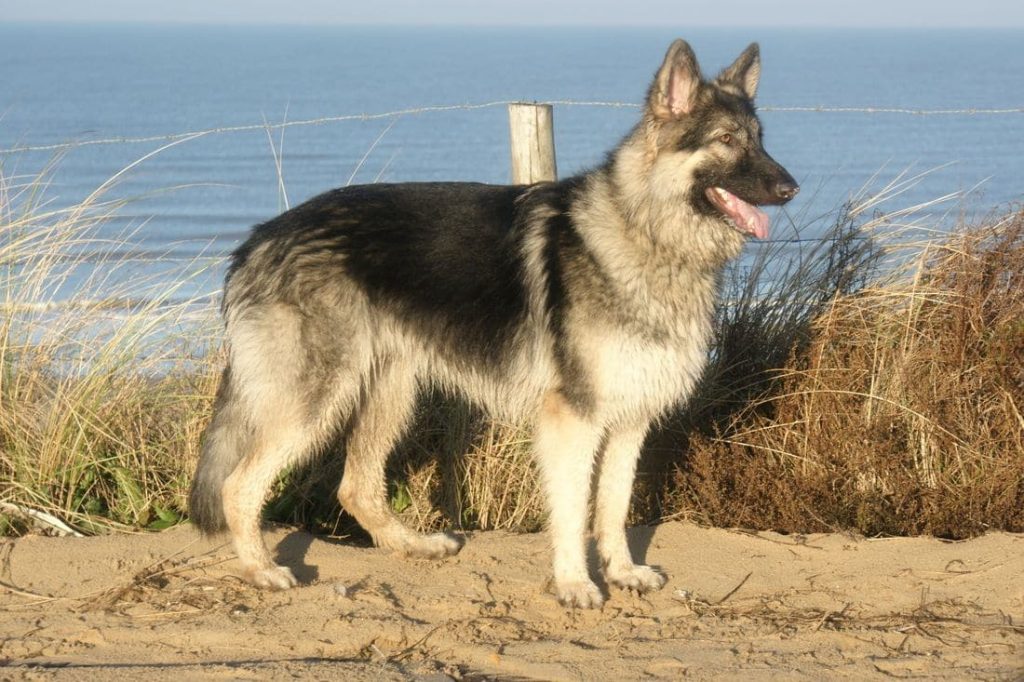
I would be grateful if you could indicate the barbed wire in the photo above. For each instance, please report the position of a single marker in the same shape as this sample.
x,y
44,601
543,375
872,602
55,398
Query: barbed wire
x,y
174,137
893,110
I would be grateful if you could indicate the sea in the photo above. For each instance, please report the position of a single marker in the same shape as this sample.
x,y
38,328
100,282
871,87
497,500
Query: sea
x,y
929,113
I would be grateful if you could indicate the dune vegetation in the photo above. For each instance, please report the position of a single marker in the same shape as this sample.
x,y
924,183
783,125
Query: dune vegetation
x,y
868,381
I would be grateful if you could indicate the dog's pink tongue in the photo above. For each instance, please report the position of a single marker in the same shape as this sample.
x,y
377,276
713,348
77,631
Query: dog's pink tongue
x,y
752,218
746,216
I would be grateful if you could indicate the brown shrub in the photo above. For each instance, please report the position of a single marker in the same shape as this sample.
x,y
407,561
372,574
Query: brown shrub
x,y
901,415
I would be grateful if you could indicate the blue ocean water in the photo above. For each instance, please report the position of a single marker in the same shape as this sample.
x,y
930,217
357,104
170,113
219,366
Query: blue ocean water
x,y
65,83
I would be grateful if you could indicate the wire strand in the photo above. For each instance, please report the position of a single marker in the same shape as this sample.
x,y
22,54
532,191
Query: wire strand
x,y
173,137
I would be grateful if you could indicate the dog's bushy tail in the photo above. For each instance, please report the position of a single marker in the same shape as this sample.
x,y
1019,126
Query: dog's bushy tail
x,y
224,444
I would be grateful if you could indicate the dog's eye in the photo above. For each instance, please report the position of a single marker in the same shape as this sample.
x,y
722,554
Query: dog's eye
x,y
725,139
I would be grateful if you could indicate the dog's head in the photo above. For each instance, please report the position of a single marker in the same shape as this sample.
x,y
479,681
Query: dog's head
x,y
707,140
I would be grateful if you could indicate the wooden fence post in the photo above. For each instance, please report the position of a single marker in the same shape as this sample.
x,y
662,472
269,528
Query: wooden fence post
x,y
533,143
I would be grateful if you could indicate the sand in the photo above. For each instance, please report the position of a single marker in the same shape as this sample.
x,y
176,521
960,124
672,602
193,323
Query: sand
x,y
738,605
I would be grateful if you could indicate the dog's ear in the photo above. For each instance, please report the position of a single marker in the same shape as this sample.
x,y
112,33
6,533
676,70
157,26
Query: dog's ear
x,y
745,72
673,93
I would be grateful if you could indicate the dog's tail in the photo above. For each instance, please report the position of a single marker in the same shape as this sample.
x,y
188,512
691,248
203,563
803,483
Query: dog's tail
x,y
225,442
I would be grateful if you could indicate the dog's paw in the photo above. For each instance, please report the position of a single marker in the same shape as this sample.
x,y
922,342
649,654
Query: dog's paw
x,y
434,546
635,577
580,594
271,578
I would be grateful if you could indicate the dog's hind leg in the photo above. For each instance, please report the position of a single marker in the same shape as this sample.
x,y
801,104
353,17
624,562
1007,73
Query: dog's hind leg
x,y
282,380
614,490
278,444
378,425
565,445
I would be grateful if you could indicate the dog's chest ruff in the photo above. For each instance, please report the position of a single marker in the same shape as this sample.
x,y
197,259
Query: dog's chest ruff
x,y
634,374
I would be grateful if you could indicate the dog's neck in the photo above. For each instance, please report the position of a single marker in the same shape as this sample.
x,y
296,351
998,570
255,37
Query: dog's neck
x,y
655,208
666,282
659,217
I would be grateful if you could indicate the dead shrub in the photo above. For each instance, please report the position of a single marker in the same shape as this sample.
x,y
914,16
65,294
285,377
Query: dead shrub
x,y
900,415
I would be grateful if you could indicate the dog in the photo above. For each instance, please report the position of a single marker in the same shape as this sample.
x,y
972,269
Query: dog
x,y
582,307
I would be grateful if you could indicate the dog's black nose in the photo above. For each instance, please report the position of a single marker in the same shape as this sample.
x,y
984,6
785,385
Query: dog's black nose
x,y
786,190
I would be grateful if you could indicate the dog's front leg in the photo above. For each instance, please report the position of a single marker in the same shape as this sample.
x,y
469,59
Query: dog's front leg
x,y
614,490
565,444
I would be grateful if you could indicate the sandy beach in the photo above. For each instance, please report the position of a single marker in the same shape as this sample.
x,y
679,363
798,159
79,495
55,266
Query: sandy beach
x,y
737,605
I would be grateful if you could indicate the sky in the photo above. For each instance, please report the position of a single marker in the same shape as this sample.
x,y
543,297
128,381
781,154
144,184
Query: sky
x,y
872,13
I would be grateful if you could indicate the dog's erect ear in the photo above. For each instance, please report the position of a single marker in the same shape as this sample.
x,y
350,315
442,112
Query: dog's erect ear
x,y
745,72
674,90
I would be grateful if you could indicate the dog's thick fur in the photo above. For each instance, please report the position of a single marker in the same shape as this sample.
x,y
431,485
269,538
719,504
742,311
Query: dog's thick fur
x,y
583,306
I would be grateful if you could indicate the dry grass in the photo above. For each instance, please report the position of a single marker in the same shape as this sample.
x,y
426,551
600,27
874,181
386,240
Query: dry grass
x,y
901,414
454,468
835,399
100,407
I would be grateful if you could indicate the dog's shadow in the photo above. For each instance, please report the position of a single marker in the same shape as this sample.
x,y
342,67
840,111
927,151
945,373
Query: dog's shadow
x,y
294,548
292,551
638,538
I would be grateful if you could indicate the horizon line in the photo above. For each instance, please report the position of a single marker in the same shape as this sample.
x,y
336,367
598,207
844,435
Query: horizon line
x,y
490,25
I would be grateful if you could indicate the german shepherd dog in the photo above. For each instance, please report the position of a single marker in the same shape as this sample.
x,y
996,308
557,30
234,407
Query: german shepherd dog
x,y
582,307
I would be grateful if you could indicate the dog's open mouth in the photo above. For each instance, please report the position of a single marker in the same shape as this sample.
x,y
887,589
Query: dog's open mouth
x,y
746,218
